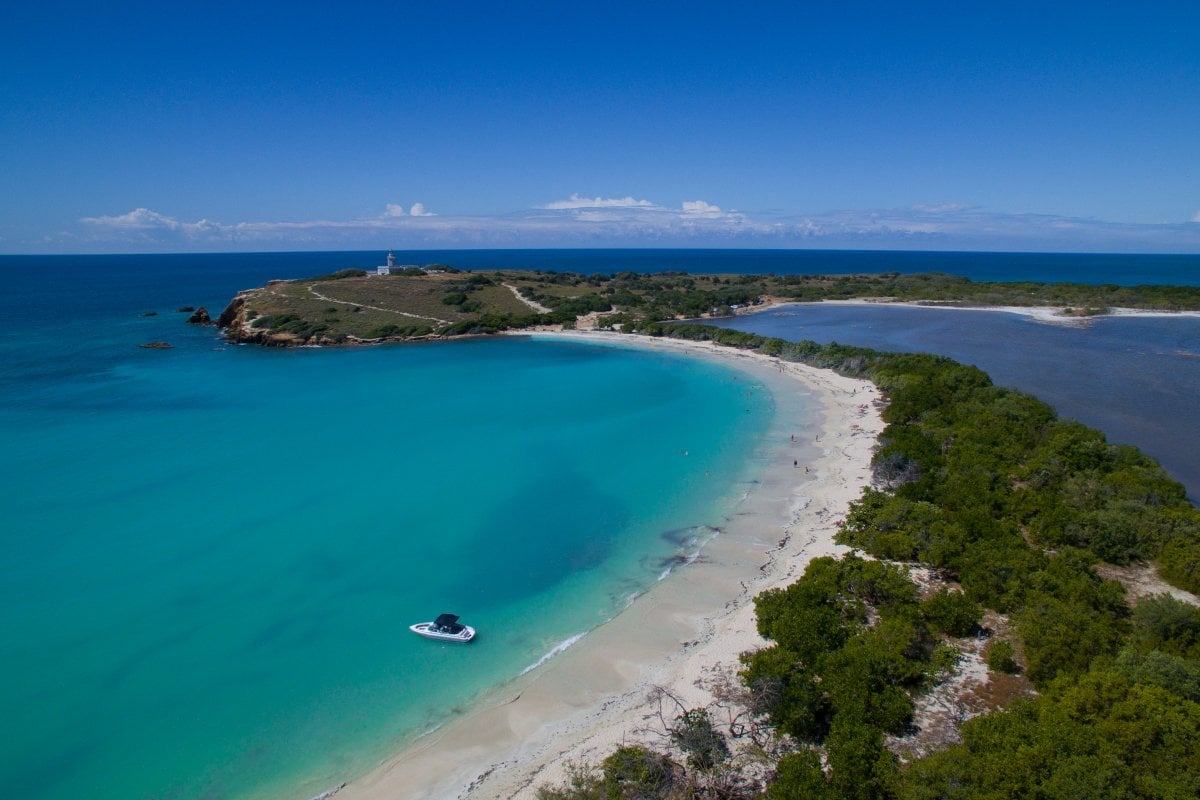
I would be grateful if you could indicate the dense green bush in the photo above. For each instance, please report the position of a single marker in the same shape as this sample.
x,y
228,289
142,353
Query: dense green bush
x,y
1103,737
629,773
1160,622
1000,657
952,613
339,275
401,331
799,776
290,323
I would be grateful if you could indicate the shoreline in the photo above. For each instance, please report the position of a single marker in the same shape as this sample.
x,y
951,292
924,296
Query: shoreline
x,y
1050,315
594,696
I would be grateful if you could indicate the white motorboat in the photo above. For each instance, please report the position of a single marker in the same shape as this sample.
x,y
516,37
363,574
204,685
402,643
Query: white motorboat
x,y
445,628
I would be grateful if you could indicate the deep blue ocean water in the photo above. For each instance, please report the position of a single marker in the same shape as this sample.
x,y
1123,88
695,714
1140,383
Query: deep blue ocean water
x,y
212,552
160,276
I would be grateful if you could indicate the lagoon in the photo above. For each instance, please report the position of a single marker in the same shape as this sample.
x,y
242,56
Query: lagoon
x,y
1135,378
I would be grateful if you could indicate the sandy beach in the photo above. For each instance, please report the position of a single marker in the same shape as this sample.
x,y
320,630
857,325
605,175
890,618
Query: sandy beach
x,y
598,694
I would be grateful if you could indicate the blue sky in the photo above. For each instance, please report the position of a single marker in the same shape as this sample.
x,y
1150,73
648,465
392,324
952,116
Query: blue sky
x,y
218,126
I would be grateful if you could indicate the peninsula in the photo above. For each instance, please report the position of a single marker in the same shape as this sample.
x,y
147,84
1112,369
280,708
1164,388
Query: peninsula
x,y
1028,598
1024,622
436,301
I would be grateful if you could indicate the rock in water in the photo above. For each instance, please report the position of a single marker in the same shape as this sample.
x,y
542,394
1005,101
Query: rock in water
x,y
200,317
156,345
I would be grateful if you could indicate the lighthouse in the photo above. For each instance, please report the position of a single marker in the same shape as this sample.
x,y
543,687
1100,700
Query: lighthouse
x,y
387,268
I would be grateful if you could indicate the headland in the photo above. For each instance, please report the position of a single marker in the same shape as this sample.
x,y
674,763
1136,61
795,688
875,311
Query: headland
x,y
439,301
998,467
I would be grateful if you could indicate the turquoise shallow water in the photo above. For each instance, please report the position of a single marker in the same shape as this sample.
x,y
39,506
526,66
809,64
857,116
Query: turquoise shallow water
x,y
212,554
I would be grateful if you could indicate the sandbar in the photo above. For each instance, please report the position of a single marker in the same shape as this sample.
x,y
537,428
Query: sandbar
x,y
1050,315
598,694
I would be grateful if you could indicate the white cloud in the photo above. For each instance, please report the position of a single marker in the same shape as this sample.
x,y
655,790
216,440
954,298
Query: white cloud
x,y
143,219
701,208
630,223
575,201
1196,217
941,208
139,218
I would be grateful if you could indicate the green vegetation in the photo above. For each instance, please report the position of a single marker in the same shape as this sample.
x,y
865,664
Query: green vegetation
x,y
1103,736
443,297
993,492
984,486
1000,657
341,274
630,773
290,323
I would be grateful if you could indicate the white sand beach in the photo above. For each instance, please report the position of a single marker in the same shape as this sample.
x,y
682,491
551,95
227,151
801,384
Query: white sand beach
x,y
596,695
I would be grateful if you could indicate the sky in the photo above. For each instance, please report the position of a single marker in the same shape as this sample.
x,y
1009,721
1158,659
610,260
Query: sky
x,y
169,127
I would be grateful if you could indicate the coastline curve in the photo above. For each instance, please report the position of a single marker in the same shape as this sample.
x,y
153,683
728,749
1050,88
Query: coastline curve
x,y
596,694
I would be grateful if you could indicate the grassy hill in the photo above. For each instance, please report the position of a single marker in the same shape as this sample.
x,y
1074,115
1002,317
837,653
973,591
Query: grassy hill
x,y
354,306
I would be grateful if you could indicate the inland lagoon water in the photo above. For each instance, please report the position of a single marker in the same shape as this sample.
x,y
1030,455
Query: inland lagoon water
x,y
212,552
1135,378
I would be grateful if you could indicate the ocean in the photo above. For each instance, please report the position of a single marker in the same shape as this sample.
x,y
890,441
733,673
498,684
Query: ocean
x,y
174,275
213,551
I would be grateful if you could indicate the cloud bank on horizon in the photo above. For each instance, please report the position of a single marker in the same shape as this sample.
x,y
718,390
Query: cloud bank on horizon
x,y
1065,126
579,221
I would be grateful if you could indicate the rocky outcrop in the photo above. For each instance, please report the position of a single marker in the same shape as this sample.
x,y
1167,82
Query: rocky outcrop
x,y
200,317
235,327
156,345
232,312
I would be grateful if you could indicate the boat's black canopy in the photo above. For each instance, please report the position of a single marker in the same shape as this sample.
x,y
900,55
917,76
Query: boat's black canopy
x,y
447,621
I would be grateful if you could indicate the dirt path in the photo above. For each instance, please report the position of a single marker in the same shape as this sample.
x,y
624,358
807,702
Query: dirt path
x,y
313,291
538,307
1141,580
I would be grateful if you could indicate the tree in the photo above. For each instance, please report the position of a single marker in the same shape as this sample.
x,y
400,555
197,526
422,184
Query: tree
x,y
799,777
952,613
695,734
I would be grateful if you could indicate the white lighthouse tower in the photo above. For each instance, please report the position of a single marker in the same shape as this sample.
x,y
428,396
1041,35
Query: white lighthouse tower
x,y
387,268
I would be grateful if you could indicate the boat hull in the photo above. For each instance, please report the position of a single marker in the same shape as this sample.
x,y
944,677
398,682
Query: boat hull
x,y
427,629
